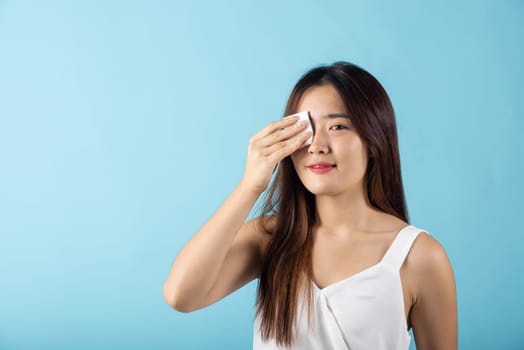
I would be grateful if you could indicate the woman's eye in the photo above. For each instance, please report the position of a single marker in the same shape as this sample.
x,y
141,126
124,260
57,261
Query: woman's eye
x,y
338,127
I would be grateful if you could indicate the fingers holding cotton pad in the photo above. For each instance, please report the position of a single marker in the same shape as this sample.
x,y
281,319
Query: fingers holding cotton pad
x,y
304,116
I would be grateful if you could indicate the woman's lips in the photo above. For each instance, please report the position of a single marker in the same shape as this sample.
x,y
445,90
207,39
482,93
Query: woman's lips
x,y
321,168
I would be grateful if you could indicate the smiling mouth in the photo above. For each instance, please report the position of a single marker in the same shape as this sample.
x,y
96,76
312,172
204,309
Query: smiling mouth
x,y
321,168
321,165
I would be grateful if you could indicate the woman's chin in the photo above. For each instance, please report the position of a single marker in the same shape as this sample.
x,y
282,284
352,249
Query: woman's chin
x,y
323,190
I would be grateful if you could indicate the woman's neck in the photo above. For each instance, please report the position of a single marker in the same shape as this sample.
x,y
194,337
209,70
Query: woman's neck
x,y
345,213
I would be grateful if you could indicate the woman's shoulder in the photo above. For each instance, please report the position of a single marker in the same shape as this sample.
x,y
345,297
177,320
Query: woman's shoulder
x,y
427,252
432,290
427,263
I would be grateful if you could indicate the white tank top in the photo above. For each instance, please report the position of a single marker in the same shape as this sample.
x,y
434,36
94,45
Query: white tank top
x,y
362,312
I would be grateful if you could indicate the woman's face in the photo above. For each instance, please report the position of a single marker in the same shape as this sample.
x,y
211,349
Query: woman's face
x,y
336,160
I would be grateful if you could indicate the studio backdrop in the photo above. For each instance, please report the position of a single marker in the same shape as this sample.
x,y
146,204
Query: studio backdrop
x,y
125,124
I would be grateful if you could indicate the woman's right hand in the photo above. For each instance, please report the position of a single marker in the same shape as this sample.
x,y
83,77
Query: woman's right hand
x,y
268,147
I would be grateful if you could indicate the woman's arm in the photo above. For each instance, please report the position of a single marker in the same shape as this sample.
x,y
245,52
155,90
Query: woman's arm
x,y
197,266
225,253
434,313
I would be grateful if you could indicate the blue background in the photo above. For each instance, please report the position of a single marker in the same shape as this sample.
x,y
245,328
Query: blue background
x,y
124,125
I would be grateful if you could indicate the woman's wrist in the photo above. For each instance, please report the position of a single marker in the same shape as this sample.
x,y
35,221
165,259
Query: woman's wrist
x,y
249,189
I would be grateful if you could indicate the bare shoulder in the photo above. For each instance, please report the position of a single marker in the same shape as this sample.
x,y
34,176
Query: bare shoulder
x,y
427,257
432,290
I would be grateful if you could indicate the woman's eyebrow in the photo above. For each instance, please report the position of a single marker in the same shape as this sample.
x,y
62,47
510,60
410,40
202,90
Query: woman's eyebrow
x,y
336,115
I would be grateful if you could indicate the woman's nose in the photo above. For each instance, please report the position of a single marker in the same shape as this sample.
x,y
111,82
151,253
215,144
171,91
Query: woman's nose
x,y
319,144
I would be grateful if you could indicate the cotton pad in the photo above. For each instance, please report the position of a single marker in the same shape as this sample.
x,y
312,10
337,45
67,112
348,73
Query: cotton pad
x,y
304,116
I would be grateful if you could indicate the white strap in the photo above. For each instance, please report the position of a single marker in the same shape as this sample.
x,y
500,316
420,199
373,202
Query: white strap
x,y
400,247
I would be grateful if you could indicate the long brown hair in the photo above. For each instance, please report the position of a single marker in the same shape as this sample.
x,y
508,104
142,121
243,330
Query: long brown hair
x,y
286,267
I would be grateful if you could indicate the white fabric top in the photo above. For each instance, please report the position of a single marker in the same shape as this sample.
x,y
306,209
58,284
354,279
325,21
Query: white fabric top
x,y
362,312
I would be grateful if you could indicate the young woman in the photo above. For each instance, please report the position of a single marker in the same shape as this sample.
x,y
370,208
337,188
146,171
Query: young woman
x,y
339,267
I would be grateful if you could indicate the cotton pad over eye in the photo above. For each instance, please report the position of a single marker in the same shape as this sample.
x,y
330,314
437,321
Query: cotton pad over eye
x,y
304,116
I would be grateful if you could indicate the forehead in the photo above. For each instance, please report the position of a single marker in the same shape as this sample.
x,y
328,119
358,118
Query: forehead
x,y
321,100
